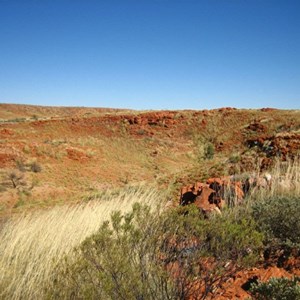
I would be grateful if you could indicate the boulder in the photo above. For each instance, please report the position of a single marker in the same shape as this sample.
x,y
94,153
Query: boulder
x,y
215,193
203,200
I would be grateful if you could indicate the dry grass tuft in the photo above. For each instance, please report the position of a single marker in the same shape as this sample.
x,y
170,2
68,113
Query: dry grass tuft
x,y
32,244
287,177
285,180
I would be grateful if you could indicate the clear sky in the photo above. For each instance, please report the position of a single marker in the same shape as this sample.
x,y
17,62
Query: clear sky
x,y
145,54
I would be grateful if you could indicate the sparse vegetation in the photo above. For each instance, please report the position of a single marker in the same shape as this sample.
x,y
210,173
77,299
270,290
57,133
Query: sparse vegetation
x,y
176,253
17,120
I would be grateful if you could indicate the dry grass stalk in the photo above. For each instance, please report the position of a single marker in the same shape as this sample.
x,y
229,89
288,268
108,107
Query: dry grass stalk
x,y
32,244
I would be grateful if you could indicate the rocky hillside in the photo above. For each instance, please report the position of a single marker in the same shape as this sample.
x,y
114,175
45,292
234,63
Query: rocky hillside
x,y
51,155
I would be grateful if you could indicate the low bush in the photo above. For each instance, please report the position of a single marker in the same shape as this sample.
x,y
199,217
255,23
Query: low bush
x,y
277,289
209,151
152,255
17,179
234,158
21,165
120,261
35,167
279,218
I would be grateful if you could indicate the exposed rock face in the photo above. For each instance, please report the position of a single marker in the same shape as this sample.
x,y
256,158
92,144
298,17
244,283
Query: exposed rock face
x,y
76,154
218,192
257,127
152,119
283,145
204,200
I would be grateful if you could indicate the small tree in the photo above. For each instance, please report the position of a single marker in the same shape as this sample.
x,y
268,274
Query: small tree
x,y
17,179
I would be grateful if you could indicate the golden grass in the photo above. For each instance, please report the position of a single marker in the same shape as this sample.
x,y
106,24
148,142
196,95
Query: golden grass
x,y
287,177
32,244
285,180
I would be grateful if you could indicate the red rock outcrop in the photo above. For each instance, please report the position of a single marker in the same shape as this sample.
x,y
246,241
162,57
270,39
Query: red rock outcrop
x,y
283,145
212,195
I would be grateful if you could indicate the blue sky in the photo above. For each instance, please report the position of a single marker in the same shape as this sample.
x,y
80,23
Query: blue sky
x,y
155,54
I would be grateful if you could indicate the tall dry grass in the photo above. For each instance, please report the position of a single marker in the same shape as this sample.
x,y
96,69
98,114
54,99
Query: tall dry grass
x,y
286,177
285,181
32,244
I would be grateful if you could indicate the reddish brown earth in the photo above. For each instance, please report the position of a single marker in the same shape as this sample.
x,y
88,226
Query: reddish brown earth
x,y
237,284
86,150
236,287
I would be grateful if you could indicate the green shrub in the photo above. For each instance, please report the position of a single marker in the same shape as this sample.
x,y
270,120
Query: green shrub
x,y
213,248
235,239
26,149
17,120
17,179
35,167
234,158
20,165
209,151
120,261
141,132
279,218
277,289
147,255
204,148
